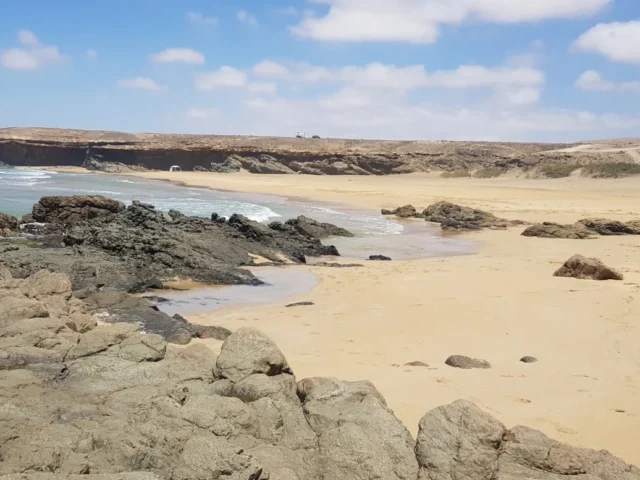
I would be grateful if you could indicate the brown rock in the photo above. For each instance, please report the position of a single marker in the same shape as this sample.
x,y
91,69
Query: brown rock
x,y
587,268
407,211
452,216
610,227
8,224
466,363
45,283
556,230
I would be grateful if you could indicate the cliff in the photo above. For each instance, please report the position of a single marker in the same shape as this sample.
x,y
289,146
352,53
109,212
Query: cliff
x,y
56,147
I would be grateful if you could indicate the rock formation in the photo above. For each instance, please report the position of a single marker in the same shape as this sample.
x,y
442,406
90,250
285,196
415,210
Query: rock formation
x,y
587,268
456,217
136,247
556,230
81,401
8,225
604,226
406,211
311,228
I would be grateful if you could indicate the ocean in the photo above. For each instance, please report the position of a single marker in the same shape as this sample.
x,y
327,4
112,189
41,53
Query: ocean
x,y
375,234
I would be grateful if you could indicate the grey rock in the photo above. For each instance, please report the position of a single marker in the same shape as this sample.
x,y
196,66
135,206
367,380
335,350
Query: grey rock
x,y
311,228
74,209
300,304
16,307
416,363
45,283
380,258
466,363
583,268
249,351
8,225
604,226
452,216
406,211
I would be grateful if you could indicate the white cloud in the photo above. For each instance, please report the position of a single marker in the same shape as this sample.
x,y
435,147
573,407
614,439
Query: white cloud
x,y
593,81
27,37
268,88
221,78
142,83
197,18
246,18
381,76
418,21
32,55
202,113
619,41
92,54
178,55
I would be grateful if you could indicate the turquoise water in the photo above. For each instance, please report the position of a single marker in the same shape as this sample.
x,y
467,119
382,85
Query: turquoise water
x,y
375,234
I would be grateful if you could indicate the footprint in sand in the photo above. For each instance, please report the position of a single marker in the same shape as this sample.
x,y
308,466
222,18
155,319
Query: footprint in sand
x,y
443,380
524,400
568,431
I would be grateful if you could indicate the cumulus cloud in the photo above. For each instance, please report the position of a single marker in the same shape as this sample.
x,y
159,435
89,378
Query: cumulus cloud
x,y
592,80
247,18
268,88
419,21
224,77
31,55
197,18
142,83
519,85
178,55
617,41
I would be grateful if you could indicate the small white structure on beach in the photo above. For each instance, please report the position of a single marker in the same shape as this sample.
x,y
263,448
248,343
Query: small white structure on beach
x,y
175,168
301,135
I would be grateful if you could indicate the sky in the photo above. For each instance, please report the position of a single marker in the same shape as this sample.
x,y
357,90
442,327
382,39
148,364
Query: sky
x,y
511,70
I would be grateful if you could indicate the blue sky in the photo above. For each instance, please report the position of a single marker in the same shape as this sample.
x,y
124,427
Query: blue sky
x,y
543,70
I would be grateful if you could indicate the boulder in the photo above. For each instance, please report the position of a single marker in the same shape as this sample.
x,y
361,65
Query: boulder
x,y
231,165
528,359
247,352
211,331
603,226
582,267
45,283
379,258
8,225
417,363
314,229
452,216
460,441
16,307
406,211
466,363
555,230
75,209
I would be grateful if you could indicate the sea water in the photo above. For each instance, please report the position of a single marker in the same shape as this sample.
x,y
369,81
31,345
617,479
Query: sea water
x,y
375,234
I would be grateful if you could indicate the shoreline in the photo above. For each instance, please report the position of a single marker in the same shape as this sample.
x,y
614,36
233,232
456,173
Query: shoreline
x,y
499,304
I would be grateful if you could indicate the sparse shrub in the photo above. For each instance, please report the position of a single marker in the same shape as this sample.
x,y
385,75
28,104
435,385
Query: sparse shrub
x,y
490,172
558,170
611,170
456,174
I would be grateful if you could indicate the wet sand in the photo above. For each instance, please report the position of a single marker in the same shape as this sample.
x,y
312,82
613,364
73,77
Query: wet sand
x,y
499,304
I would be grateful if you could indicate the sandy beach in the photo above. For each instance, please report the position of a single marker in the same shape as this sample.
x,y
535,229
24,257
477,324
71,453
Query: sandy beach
x,y
499,304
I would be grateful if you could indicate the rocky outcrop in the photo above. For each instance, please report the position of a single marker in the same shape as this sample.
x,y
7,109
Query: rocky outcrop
x,y
75,209
259,164
311,228
230,165
96,164
8,225
466,363
137,247
406,211
460,441
109,402
587,268
603,226
456,217
379,258
556,230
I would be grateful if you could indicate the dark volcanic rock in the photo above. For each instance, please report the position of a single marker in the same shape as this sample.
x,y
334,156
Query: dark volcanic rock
x,y
466,363
610,227
380,258
75,209
528,359
300,304
452,216
587,268
265,164
311,228
138,248
406,211
556,230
